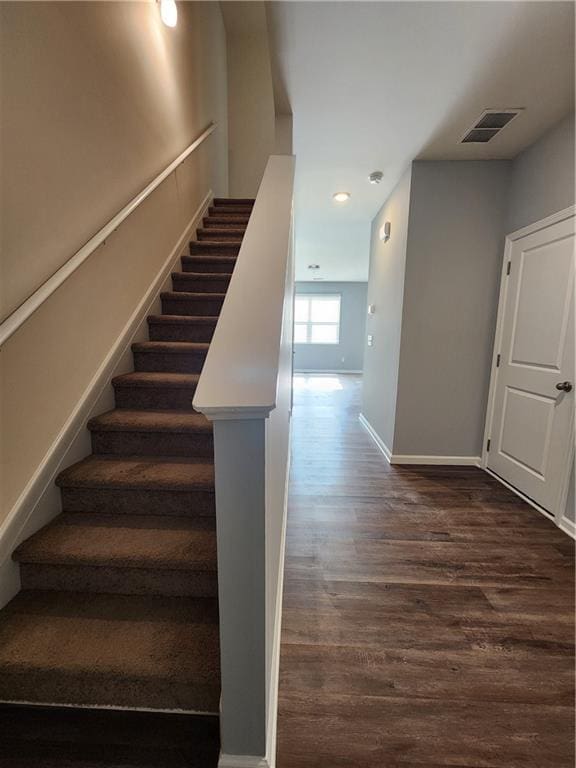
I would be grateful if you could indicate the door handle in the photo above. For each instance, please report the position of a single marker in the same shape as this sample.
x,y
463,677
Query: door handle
x,y
564,386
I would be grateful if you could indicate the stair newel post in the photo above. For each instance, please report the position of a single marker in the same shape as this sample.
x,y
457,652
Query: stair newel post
x,y
240,450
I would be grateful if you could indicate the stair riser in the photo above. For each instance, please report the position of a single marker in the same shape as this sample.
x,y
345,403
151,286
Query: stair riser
x,y
199,265
153,444
118,581
217,248
154,398
235,222
190,307
192,285
170,362
138,502
184,332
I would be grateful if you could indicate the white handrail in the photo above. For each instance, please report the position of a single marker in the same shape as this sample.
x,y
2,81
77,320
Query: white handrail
x,y
19,316
239,376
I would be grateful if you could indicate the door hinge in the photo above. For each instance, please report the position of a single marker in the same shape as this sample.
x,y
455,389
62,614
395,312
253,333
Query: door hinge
x,y
497,361
488,445
509,267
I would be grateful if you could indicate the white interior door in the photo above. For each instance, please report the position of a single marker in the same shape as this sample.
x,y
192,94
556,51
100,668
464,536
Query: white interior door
x,y
533,406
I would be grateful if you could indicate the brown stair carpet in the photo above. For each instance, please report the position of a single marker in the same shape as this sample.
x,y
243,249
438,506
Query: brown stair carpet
x,y
118,606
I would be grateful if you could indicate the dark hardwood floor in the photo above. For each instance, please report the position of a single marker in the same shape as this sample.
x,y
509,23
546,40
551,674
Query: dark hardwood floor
x,y
428,612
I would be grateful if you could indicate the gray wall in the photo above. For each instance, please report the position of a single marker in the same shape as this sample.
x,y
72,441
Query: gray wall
x,y
435,286
543,177
453,266
348,354
386,291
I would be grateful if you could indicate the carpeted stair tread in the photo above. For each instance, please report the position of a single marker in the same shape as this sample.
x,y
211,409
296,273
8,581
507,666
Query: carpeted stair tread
x,y
217,247
214,241
230,210
110,651
139,472
121,541
124,420
237,220
182,320
209,260
153,379
192,296
220,233
175,347
226,202
202,276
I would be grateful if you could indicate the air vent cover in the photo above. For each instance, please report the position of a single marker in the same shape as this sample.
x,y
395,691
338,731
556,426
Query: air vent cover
x,y
489,124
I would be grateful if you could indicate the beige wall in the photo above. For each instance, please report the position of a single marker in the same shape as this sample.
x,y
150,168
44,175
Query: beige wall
x,y
251,113
97,98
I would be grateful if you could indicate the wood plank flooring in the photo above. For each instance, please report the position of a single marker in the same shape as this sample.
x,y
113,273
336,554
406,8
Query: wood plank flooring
x,y
428,612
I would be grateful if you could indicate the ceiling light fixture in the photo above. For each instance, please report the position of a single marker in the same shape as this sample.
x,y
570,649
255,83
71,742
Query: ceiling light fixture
x,y
169,12
341,197
375,177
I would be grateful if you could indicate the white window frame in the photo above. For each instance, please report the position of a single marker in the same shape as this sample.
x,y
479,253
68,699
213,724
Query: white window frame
x,y
309,323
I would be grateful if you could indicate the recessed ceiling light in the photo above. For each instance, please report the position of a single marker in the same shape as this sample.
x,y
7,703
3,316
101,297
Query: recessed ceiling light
x,y
375,177
341,197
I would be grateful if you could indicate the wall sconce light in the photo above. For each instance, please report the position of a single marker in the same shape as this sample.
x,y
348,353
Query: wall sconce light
x,y
385,232
169,12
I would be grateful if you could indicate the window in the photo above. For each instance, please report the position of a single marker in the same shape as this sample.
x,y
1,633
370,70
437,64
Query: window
x,y
317,319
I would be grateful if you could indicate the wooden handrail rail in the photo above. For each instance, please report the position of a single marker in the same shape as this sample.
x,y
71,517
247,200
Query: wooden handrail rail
x,y
19,316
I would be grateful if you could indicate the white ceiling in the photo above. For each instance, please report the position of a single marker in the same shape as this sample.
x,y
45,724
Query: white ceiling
x,y
374,85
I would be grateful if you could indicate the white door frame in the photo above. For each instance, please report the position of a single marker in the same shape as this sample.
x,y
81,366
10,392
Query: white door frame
x,y
560,505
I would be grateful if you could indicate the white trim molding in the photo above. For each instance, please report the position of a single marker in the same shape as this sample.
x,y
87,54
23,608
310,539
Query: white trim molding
x,y
39,502
568,526
557,513
380,444
398,458
11,324
536,226
243,761
446,461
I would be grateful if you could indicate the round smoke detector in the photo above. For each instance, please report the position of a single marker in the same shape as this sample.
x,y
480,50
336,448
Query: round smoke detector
x,y
375,177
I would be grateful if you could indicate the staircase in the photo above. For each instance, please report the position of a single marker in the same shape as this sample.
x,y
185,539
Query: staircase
x,y
118,606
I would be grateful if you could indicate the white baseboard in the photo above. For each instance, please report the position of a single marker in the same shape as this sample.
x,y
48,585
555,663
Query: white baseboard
x,y
376,437
324,370
39,502
568,526
398,458
446,461
242,761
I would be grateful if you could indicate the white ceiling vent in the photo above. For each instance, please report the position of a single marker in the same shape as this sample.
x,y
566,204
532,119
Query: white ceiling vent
x,y
488,125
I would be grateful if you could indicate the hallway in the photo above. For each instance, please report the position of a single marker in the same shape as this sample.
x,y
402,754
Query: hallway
x,y
428,612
